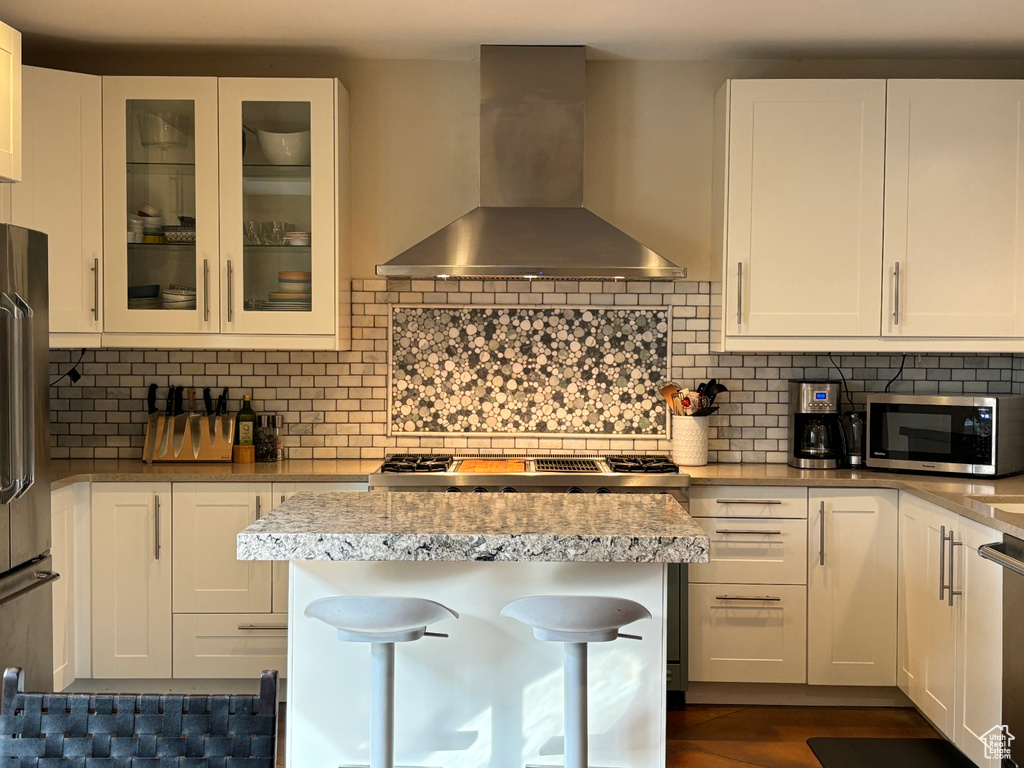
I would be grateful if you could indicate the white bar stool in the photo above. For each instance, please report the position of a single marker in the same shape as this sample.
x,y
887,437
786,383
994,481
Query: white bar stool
x,y
382,622
576,620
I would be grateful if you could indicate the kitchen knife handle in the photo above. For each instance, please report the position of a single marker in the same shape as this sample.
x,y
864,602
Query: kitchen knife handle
x,y
896,295
151,399
942,563
206,290
821,534
95,289
191,400
952,564
178,407
156,515
231,280
739,293
208,401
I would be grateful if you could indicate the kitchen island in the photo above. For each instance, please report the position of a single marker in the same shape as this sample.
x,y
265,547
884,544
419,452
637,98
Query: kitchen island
x,y
489,694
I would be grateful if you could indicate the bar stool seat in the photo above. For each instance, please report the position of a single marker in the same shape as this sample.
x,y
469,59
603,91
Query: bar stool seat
x,y
381,621
388,619
576,620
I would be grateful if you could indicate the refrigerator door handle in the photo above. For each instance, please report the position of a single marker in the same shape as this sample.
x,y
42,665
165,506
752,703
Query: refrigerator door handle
x,y
42,578
28,396
11,479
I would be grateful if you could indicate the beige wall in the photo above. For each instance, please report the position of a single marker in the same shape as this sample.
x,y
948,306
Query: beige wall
x,y
415,135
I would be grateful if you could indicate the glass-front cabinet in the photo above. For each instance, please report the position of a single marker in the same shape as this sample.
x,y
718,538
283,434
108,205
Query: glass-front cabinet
x,y
222,211
279,215
161,217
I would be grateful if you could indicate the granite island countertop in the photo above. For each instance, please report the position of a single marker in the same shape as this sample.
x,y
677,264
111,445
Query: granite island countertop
x,y
533,527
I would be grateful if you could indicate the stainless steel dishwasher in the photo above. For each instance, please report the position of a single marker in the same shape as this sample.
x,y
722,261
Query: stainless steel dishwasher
x,y
1010,555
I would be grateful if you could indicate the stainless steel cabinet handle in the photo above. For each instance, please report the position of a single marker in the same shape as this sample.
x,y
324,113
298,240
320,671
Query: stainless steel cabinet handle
x,y
42,577
995,553
821,534
231,280
96,289
259,510
282,498
952,564
942,562
748,501
261,627
749,532
758,598
28,397
156,516
206,290
896,295
739,293
13,473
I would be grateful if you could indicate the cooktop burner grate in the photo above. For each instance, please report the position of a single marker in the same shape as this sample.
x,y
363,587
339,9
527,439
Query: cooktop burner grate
x,y
416,463
650,465
566,465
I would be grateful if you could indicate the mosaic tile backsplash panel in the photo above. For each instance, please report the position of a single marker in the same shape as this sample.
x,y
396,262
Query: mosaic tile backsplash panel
x,y
528,370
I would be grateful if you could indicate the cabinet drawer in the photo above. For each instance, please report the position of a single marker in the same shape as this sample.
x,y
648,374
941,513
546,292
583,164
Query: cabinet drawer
x,y
233,645
748,501
748,633
753,551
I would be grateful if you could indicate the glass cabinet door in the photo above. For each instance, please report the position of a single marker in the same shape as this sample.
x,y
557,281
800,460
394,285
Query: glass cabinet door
x,y
278,206
160,204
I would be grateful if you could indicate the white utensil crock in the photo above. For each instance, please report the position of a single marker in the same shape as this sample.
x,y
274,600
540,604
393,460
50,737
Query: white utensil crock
x,y
690,440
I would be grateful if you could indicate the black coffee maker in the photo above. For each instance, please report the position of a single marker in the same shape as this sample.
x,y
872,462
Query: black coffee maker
x,y
815,430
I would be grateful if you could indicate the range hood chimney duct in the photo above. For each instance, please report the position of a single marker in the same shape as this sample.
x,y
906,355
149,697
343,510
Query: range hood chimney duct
x,y
531,223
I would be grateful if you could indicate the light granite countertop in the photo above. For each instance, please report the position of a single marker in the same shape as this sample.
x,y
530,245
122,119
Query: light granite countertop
x,y
975,498
533,527
68,472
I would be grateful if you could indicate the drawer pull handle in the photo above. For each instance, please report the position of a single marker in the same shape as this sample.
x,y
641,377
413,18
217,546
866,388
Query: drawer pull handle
x,y
261,627
749,533
756,598
748,501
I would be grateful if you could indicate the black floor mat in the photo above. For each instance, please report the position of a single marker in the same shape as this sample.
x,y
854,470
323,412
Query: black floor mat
x,y
876,753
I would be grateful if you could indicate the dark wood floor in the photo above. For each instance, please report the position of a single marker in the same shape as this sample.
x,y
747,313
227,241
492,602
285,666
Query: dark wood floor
x,y
705,736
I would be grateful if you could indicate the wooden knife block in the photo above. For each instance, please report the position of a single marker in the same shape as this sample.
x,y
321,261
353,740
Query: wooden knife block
x,y
218,450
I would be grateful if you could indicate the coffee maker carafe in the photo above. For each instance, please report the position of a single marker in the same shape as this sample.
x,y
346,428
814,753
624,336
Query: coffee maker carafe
x,y
815,433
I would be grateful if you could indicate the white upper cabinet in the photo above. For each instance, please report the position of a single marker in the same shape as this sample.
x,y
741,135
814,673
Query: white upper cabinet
x,y
251,176
806,171
160,156
954,208
10,103
61,194
804,219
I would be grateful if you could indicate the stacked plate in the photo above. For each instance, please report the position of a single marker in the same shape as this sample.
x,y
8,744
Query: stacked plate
x,y
295,293
178,298
151,302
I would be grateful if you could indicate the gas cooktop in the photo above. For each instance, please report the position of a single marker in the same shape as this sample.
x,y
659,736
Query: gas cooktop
x,y
511,473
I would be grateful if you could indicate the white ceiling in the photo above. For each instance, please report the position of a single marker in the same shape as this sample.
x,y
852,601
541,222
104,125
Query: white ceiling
x,y
632,29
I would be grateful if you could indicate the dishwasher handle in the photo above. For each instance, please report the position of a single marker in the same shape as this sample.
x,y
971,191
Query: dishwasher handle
x,y
995,553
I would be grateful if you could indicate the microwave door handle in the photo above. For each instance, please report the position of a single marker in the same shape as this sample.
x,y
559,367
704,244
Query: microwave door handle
x,y
28,396
10,482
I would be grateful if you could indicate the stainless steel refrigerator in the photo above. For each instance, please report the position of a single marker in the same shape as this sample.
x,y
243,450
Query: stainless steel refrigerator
x,y
26,600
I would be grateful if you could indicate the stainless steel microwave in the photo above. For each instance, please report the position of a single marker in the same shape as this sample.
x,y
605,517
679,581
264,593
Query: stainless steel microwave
x,y
953,435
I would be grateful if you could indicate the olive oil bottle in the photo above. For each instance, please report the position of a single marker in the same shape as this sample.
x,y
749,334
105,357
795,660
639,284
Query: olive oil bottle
x,y
245,423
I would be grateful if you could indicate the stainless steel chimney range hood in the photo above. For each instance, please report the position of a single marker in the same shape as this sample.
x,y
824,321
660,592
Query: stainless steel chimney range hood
x,y
531,222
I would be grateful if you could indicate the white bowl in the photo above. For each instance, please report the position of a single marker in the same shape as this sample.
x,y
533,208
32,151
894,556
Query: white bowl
x,y
284,148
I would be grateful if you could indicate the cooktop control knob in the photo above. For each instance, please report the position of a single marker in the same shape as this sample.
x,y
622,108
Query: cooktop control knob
x,y
602,489
574,489
452,489
480,489
509,489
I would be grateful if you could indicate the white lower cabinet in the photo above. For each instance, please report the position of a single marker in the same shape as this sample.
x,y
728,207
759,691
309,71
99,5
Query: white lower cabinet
x,y
748,606
229,645
131,580
949,623
851,587
748,634
62,538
